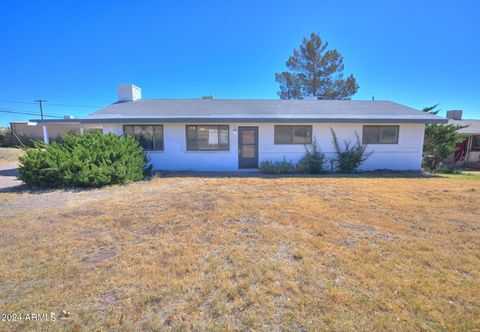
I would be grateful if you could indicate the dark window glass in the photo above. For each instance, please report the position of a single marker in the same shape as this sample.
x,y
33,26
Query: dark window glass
x,y
476,143
150,137
207,138
380,134
293,134
371,135
302,135
158,137
283,134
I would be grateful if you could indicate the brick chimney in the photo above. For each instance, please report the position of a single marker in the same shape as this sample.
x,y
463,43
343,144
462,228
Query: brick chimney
x,y
129,92
454,114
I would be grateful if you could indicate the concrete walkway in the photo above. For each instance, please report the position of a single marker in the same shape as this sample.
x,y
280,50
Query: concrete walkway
x,y
8,176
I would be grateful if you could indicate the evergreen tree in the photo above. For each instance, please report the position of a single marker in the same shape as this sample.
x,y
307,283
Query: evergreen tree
x,y
315,71
440,141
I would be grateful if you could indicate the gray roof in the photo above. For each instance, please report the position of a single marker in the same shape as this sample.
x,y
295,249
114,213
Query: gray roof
x,y
250,110
263,110
473,126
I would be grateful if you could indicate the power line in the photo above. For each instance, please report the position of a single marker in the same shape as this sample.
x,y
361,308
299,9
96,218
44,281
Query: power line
x,y
62,105
17,102
59,113
28,113
81,106
40,101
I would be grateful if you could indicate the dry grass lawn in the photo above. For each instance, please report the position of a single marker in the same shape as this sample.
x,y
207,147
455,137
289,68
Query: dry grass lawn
x,y
265,254
9,156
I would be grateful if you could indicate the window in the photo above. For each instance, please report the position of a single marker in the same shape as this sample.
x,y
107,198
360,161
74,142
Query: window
x,y
207,138
93,130
150,137
476,143
380,134
293,134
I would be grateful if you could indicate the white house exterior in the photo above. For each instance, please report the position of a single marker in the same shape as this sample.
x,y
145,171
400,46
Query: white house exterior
x,y
236,135
406,155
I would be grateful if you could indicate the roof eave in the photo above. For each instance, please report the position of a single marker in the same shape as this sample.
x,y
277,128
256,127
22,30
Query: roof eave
x,y
241,120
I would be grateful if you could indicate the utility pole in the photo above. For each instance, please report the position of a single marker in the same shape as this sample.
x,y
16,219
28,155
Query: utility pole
x,y
40,101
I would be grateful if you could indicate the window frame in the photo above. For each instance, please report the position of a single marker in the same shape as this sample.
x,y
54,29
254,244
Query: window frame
x,y
473,147
153,141
293,129
187,148
379,137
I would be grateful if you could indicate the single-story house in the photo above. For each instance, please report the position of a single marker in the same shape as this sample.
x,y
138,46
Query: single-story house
x,y
238,134
468,151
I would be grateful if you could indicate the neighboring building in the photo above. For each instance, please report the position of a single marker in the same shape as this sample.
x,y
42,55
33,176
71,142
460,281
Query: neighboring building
x,y
34,131
468,151
232,134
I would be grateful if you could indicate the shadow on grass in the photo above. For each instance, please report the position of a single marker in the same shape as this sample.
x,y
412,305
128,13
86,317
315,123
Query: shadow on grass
x,y
256,174
9,172
30,189
23,188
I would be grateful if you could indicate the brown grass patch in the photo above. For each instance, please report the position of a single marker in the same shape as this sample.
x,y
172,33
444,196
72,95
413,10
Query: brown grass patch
x,y
9,156
246,254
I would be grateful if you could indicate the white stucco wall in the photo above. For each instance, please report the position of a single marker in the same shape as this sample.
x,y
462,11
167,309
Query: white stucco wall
x,y
406,155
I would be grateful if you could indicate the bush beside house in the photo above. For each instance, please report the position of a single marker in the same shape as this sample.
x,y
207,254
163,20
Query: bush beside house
x,y
312,162
347,159
277,167
351,156
88,160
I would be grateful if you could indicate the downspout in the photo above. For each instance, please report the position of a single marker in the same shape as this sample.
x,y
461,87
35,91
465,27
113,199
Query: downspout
x,y
45,134
469,147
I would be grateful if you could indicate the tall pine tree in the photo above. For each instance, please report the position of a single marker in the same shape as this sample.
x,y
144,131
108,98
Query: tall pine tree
x,y
315,71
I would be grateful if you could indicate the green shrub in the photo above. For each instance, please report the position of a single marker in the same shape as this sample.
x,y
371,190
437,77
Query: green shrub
x,y
87,160
351,157
312,161
440,141
277,167
449,170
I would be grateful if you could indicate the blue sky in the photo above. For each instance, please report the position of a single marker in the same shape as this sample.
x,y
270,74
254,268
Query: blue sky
x,y
416,53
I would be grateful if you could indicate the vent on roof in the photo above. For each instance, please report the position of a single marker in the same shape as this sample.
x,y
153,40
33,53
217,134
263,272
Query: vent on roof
x,y
454,114
129,92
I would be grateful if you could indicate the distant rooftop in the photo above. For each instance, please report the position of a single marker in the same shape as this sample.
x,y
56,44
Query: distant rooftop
x,y
472,126
472,129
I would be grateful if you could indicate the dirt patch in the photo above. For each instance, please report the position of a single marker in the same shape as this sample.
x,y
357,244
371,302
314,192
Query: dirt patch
x,y
9,177
359,232
32,199
97,257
